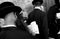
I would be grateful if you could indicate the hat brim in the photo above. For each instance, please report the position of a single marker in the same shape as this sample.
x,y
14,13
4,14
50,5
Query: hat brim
x,y
10,8
35,1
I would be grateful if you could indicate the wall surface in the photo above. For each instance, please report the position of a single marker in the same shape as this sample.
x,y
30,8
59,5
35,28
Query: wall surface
x,y
48,3
27,3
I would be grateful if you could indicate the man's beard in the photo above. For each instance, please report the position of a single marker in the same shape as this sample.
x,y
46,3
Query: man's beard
x,y
19,24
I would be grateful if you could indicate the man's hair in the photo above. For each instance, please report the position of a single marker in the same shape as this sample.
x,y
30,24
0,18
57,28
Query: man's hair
x,y
7,7
34,2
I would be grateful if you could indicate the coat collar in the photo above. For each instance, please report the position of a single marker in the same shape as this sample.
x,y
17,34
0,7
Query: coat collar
x,y
8,26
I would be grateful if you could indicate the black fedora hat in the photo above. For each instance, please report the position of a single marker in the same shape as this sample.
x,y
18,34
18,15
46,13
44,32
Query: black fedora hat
x,y
35,1
7,7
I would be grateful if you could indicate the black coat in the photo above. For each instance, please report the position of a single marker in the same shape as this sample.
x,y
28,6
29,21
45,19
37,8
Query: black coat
x,y
13,33
53,28
41,19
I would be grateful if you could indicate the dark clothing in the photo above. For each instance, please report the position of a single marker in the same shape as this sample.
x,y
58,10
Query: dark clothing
x,y
53,28
41,19
13,33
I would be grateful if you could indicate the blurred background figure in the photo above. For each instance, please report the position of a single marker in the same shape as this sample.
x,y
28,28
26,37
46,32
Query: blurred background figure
x,y
53,22
38,17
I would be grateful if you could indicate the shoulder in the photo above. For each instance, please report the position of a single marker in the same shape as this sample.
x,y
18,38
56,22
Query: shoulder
x,y
17,34
37,12
52,8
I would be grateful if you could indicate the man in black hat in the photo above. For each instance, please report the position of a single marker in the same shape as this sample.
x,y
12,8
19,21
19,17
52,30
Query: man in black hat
x,y
52,21
8,18
37,16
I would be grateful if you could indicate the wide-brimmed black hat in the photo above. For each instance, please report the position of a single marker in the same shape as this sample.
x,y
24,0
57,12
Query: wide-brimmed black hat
x,y
7,7
35,1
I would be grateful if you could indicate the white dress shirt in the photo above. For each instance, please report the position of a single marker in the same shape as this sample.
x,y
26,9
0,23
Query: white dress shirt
x,y
58,15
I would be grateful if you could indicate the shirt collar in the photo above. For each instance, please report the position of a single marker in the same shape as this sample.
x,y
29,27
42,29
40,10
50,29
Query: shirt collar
x,y
37,7
8,26
40,8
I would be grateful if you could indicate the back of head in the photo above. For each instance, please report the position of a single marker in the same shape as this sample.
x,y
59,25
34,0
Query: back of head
x,y
35,2
7,7
2,6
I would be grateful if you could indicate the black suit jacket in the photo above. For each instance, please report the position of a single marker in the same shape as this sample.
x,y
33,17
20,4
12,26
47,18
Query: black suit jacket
x,y
13,33
41,19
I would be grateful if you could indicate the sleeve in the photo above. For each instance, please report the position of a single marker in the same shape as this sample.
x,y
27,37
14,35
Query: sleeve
x,y
51,22
45,26
30,18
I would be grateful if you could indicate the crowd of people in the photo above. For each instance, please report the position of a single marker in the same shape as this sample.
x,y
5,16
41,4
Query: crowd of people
x,y
38,24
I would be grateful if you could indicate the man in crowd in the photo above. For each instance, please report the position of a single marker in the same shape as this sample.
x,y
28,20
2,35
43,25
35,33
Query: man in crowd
x,y
52,20
38,17
8,18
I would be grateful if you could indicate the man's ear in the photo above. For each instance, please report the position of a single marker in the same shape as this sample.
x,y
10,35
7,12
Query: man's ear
x,y
15,15
1,21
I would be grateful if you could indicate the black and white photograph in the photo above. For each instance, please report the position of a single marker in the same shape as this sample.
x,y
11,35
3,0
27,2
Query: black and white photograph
x,y
29,19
